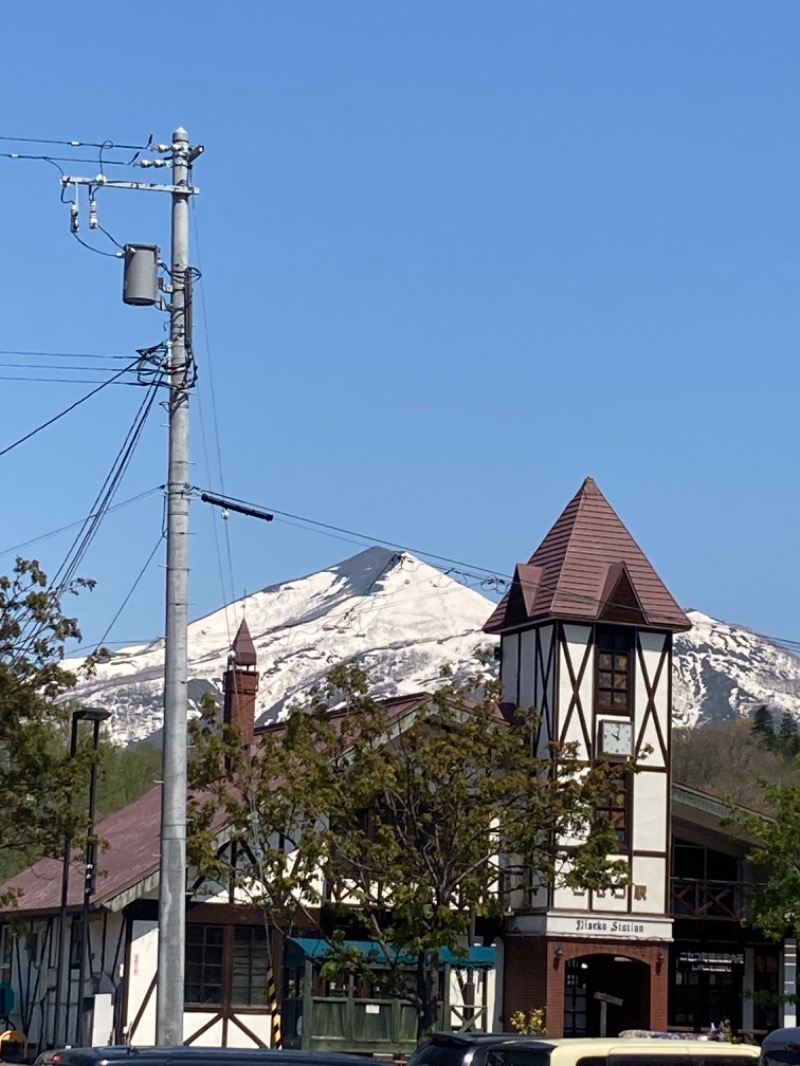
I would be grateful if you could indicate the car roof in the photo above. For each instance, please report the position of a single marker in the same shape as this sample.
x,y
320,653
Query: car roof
x,y
123,1051
593,1042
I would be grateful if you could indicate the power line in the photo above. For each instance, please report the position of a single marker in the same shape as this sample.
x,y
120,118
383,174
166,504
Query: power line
x,y
469,569
48,366
80,521
61,355
64,381
105,145
67,410
213,390
365,537
86,535
132,589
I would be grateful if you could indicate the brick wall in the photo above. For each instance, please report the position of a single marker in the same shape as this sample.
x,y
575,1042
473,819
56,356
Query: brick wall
x,y
535,969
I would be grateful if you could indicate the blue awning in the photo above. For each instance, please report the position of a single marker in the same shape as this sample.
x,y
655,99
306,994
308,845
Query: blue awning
x,y
473,958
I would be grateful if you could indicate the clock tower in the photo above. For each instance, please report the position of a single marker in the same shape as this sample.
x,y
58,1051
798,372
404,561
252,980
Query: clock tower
x,y
586,639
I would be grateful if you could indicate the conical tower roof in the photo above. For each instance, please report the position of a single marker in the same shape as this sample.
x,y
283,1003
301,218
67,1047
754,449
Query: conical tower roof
x,y
244,651
588,568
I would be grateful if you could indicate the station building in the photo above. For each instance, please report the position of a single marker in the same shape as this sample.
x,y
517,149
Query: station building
x,y
585,635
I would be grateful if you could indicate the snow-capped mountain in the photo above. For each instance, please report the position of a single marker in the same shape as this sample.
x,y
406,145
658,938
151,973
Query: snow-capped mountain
x,y
723,671
403,621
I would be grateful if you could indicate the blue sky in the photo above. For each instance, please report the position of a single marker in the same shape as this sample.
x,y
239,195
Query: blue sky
x,y
456,257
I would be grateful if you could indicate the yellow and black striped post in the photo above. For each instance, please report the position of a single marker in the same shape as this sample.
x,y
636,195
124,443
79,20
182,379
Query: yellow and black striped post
x,y
272,999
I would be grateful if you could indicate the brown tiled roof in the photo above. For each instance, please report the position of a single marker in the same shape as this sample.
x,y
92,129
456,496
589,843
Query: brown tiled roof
x,y
588,568
133,852
244,651
133,855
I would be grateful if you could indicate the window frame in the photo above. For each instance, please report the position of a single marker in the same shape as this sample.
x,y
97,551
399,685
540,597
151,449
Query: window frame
x,y
620,814
228,1000
622,642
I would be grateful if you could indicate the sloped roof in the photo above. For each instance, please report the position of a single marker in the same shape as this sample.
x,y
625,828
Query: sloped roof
x,y
132,856
244,651
588,568
130,863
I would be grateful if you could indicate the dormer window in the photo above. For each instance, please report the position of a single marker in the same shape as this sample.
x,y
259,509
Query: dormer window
x,y
613,674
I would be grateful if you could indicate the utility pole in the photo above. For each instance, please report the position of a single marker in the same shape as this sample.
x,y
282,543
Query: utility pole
x,y
141,288
172,882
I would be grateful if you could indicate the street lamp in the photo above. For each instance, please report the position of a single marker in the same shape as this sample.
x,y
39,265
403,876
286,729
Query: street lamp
x,y
95,715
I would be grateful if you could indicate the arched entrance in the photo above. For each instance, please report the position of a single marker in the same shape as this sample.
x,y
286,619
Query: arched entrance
x,y
605,994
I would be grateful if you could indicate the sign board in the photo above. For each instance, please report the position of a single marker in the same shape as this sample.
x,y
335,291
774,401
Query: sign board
x,y
587,926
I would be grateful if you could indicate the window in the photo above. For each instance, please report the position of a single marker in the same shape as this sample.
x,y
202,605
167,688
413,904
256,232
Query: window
x,y
617,809
514,1056
204,949
613,673
766,988
250,964
575,999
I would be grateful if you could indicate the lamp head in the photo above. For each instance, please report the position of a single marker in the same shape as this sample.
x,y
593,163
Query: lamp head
x,y
91,714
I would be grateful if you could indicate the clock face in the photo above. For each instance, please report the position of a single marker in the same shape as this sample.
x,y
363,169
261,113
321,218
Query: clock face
x,y
616,738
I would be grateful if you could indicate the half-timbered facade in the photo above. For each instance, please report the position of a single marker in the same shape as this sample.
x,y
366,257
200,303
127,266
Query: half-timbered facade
x,y
585,637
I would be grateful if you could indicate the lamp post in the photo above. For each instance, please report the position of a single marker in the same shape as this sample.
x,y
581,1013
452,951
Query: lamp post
x,y
96,715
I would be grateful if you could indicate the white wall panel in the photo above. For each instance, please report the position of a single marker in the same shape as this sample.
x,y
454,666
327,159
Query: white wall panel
x,y
143,960
258,1024
651,873
527,645
650,798
195,1020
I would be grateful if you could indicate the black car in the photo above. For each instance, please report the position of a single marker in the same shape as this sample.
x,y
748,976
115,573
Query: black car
x,y
193,1056
480,1049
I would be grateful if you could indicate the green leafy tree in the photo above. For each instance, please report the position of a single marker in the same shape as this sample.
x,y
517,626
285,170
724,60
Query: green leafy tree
x,y
721,758
36,772
775,908
408,831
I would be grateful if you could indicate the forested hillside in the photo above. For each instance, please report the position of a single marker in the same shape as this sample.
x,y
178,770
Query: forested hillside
x,y
731,758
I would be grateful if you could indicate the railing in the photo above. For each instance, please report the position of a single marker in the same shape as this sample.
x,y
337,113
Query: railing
x,y
720,900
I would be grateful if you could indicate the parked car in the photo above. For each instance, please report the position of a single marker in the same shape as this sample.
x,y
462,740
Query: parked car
x,y
511,1049
781,1047
192,1056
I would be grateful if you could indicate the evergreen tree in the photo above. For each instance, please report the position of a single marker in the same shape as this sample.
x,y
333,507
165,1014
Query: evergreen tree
x,y
763,727
789,734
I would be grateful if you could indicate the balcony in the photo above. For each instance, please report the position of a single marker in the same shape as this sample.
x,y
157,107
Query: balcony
x,y
710,900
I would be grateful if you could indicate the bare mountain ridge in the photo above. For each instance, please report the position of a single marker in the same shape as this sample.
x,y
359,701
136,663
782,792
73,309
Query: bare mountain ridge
x,y
403,621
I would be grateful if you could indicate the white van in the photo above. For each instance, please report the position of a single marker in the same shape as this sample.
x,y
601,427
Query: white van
x,y
504,1049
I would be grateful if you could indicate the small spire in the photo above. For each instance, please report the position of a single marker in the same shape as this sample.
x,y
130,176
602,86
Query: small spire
x,y
244,651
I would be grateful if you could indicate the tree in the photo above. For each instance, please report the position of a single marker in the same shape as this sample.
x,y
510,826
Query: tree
x,y
763,728
36,772
721,758
788,738
407,830
775,908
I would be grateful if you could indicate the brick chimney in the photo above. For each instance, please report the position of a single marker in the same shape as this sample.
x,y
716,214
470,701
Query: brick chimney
x,y
240,685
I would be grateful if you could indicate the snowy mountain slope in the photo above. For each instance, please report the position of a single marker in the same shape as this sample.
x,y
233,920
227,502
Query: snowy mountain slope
x,y
403,620
723,671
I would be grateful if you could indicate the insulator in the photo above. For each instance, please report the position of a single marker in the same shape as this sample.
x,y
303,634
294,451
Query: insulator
x,y
73,218
93,223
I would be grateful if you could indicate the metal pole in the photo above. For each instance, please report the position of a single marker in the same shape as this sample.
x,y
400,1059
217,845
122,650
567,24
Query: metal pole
x,y
88,885
172,887
62,918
